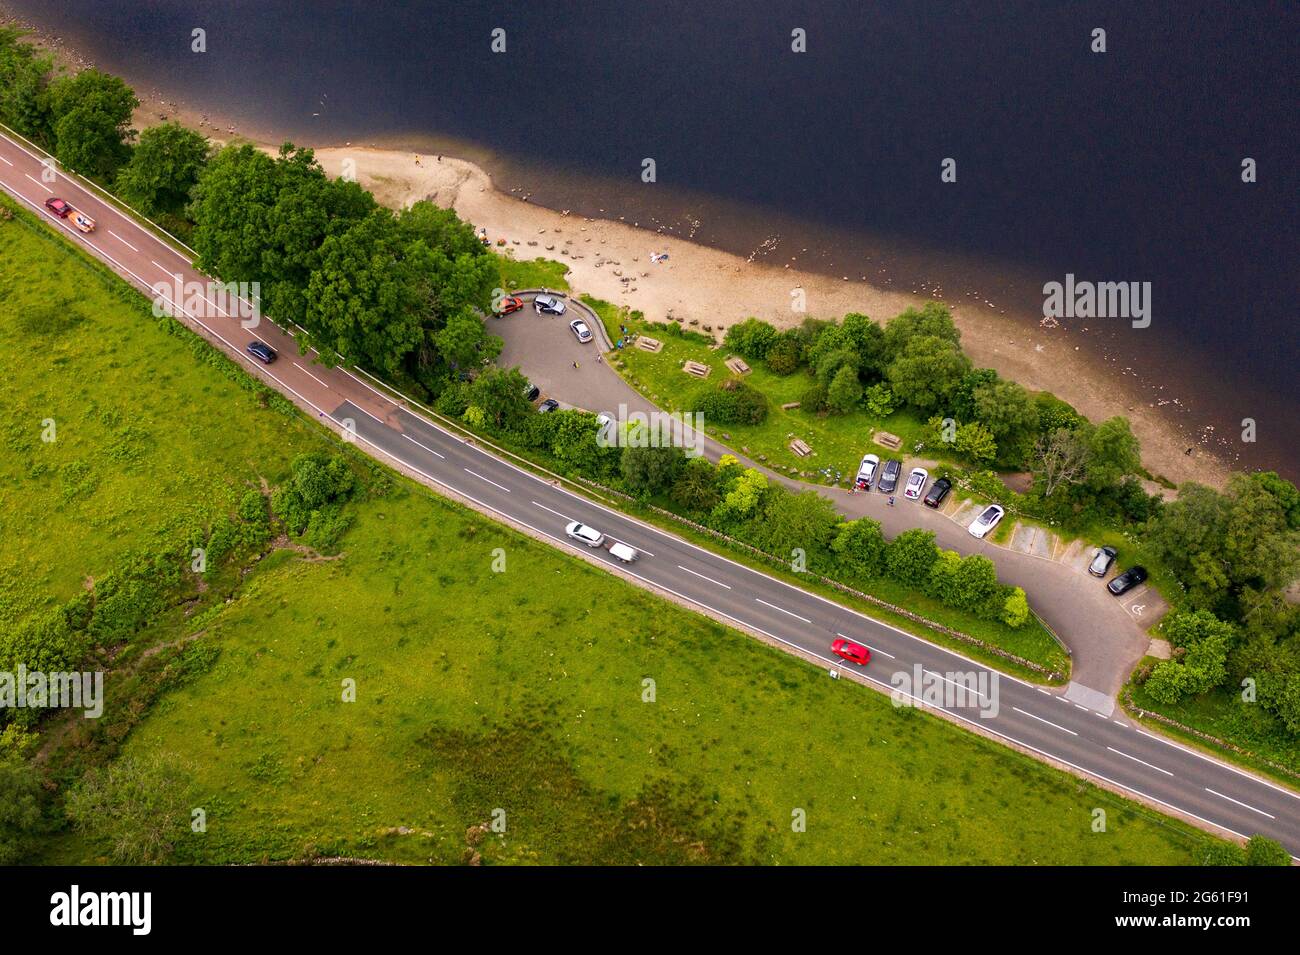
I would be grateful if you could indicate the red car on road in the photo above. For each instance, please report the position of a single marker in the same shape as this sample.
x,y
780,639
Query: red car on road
x,y
59,207
511,303
853,652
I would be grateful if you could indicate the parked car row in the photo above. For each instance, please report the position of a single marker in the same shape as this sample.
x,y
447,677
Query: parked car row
x,y
1122,582
870,470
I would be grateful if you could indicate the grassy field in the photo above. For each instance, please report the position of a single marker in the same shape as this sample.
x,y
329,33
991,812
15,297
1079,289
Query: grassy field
x,y
536,706
148,435
522,690
532,273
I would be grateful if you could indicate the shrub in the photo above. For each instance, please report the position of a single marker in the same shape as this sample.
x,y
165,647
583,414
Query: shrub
x,y
814,399
1015,609
860,547
733,402
752,338
845,391
911,555
784,357
880,400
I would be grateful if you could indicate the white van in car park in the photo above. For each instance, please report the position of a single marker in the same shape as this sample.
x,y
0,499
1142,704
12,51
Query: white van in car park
x,y
623,552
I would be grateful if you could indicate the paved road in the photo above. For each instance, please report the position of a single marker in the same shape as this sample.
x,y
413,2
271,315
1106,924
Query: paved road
x,y
1105,641
1109,749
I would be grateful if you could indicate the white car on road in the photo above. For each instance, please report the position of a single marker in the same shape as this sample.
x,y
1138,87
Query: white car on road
x,y
581,330
987,520
587,535
916,483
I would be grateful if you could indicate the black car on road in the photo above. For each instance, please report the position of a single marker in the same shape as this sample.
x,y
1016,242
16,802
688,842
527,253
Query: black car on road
x,y
261,351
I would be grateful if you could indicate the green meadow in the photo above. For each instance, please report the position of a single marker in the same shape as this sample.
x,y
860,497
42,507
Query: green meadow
x,y
442,689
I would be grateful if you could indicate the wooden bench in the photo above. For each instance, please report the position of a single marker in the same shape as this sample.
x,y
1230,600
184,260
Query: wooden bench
x,y
800,448
737,365
696,369
887,440
649,344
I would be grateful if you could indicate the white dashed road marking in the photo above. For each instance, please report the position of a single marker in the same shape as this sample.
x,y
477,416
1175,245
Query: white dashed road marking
x,y
1041,720
702,577
1142,761
1241,804
783,610
426,447
123,241
490,481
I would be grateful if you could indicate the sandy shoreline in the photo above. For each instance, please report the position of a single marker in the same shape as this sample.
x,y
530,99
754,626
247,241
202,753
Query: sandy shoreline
x,y
611,260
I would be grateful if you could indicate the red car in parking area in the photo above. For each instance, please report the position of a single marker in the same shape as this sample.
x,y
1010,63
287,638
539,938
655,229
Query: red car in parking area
x,y
511,303
59,207
853,652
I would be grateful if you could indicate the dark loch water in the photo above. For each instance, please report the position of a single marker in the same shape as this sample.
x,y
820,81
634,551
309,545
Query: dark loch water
x,y
1123,166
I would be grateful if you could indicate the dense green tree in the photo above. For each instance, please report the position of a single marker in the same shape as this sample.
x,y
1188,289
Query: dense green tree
x,y
464,342
868,341
926,371
932,320
501,395
1259,544
1008,411
880,400
742,498
363,301
90,116
975,583
163,168
1015,609
845,391
961,403
696,487
785,355
911,555
942,582
20,808
814,398
751,338
650,470
860,548
24,79
1053,413
806,520
976,443
1113,453
1261,850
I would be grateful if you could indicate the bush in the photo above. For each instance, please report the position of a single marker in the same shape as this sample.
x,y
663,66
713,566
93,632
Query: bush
x,y
845,391
733,402
752,338
1261,850
696,488
860,547
1015,609
880,400
784,357
911,555
814,399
